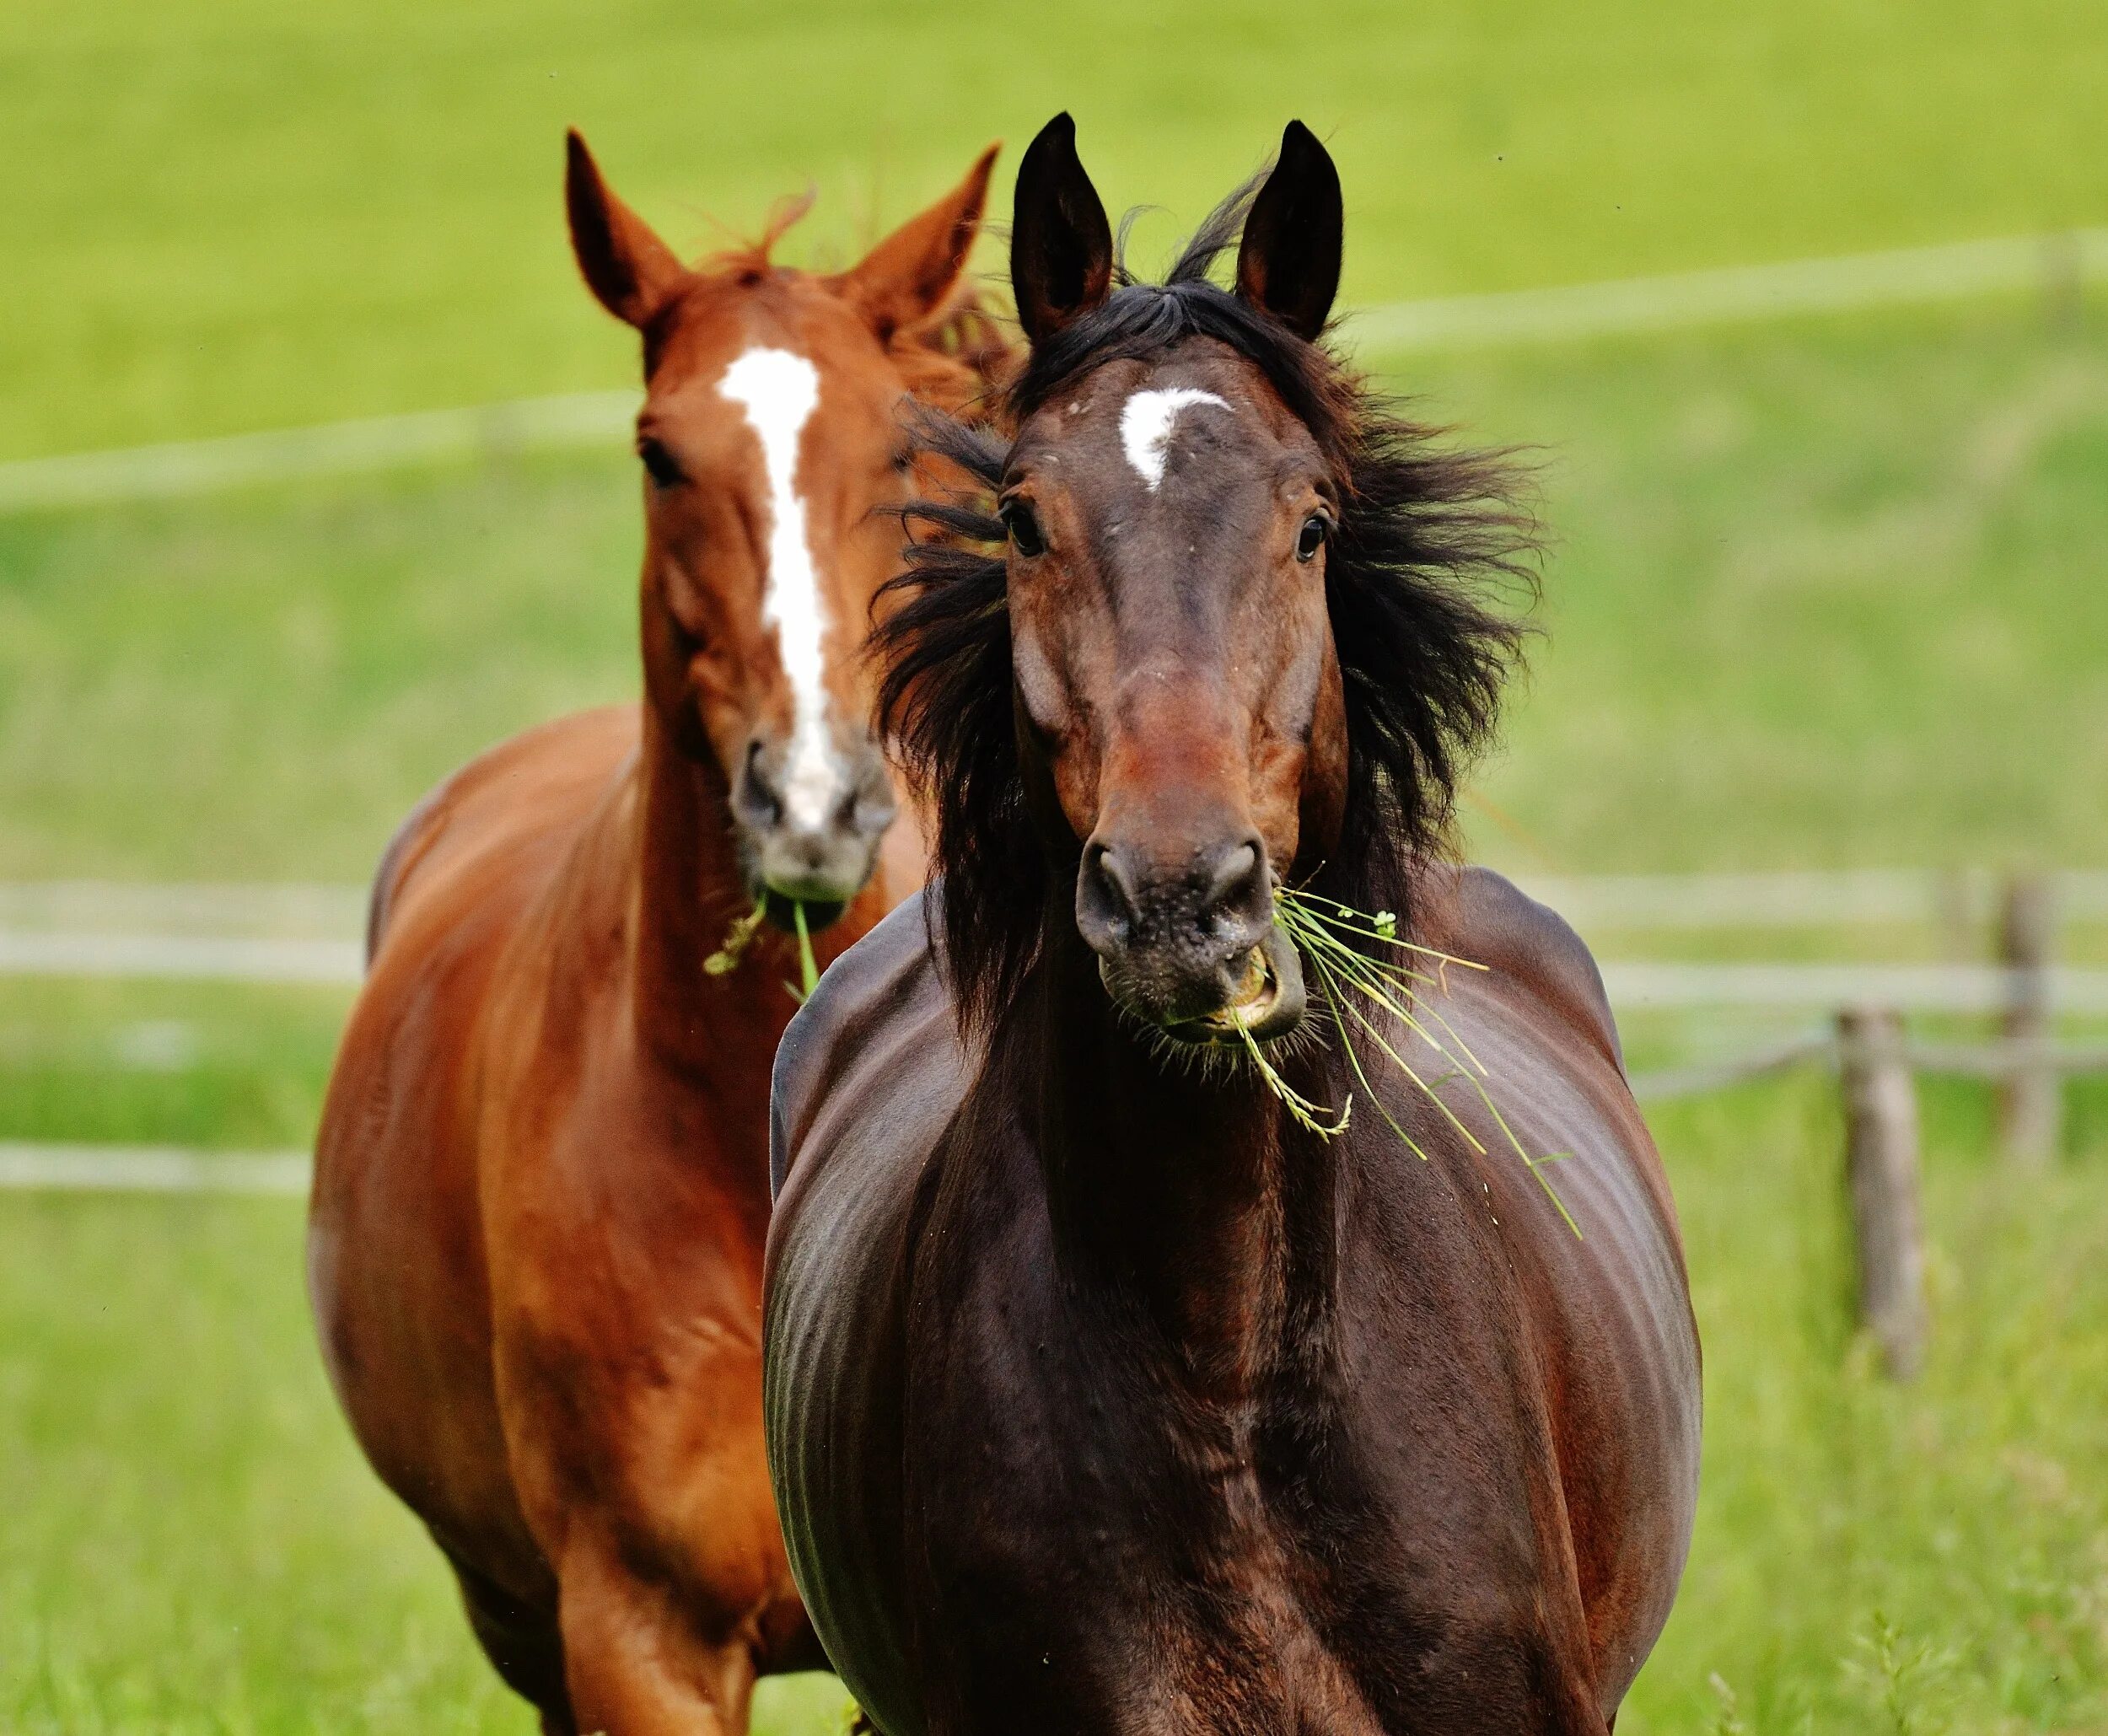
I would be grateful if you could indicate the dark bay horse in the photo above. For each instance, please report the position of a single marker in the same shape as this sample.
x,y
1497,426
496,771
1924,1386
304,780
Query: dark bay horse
x,y
1103,1394
541,1177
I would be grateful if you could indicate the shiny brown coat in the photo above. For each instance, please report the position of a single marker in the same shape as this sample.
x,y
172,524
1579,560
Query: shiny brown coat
x,y
540,1189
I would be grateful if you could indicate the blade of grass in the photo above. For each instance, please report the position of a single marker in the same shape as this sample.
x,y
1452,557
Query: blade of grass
x,y
806,967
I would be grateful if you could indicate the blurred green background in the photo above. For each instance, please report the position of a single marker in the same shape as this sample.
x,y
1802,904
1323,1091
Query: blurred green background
x,y
1823,593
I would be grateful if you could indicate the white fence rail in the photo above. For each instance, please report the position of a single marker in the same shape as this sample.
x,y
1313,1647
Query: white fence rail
x,y
66,1168
309,934
306,935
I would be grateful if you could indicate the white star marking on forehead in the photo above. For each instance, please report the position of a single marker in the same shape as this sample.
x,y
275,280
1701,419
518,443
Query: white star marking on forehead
x,y
1145,426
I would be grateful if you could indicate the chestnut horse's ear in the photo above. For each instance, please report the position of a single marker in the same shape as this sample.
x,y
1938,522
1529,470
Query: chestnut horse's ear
x,y
1289,262
911,274
628,267
1061,245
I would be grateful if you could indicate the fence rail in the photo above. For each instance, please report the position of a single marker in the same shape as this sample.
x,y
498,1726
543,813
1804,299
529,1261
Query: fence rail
x,y
309,934
1626,902
303,934
76,1167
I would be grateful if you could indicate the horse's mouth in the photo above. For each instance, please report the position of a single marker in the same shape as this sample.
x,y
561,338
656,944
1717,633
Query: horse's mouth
x,y
1267,1002
782,910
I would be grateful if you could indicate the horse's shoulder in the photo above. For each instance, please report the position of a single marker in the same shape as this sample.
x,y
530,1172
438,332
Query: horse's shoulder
x,y
1485,917
879,1019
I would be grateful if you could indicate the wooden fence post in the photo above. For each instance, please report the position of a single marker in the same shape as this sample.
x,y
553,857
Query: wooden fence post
x,y
1880,1103
2031,1098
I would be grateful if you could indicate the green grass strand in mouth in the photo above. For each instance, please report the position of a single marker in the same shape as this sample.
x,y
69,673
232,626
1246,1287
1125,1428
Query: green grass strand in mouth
x,y
1346,976
808,968
737,939
740,936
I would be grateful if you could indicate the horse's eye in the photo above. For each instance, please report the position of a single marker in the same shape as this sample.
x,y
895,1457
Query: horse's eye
x,y
1311,538
1024,529
664,469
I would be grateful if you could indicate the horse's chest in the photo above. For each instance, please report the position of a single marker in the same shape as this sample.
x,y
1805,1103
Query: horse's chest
x,y
1116,1570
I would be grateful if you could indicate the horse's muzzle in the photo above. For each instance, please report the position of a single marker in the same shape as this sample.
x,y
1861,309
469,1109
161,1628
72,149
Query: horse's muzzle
x,y
806,842
1197,953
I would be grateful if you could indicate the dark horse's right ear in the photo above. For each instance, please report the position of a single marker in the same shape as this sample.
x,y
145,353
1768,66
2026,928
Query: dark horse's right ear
x,y
629,268
1289,260
1061,245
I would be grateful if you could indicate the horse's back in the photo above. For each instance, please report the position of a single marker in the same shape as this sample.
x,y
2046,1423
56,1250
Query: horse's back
x,y
397,1266
868,1075
1606,1293
507,809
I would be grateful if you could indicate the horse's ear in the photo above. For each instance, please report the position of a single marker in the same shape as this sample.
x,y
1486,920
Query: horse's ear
x,y
628,267
911,274
1061,245
1289,260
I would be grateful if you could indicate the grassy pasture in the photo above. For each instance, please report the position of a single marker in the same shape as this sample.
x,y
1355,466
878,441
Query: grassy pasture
x,y
225,214
1820,594
182,1566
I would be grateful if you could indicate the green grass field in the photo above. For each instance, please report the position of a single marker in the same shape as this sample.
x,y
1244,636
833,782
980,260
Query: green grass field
x,y
227,215
1821,593
194,1546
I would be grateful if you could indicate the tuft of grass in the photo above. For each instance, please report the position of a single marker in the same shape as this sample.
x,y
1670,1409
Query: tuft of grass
x,y
740,936
1325,932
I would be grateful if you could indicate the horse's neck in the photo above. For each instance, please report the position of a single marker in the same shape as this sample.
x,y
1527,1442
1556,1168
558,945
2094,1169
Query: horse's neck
x,y
1191,1191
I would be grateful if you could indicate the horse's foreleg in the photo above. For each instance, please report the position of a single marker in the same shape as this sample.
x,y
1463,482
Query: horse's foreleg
x,y
522,1644
637,1666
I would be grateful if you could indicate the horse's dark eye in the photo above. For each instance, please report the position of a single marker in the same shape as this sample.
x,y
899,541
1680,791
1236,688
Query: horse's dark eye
x,y
1311,538
1024,529
664,468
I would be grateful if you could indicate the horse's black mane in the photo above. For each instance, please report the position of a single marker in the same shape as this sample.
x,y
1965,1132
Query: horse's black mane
x,y
1425,535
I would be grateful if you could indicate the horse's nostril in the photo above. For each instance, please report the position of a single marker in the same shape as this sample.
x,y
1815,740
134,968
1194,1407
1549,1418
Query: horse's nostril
x,y
1113,876
1106,905
755,797
1240,889
1235,866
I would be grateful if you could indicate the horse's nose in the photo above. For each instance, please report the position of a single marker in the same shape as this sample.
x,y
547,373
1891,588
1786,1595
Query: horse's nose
x,y
1176,937
811,832
1219,895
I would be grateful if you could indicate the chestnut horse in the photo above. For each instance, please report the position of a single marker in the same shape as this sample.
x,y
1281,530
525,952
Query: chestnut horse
x,y
541,1181
1104,1392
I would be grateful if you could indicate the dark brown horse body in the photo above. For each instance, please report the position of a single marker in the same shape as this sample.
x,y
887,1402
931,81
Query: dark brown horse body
x,y
540,1190
1102,1394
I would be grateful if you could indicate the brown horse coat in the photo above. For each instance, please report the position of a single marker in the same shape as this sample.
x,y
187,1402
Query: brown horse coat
x,y
540,1187
1443,1481
1105,1391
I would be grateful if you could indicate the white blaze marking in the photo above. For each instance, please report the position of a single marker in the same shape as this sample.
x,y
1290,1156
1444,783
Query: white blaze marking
x,y
778,391
1145,426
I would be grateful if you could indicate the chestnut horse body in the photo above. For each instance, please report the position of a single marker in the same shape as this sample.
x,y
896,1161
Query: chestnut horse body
x,y
541,1190
1104,1392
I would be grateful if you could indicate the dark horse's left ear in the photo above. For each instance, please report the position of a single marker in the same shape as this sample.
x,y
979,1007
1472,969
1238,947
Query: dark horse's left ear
x,y
1289,262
